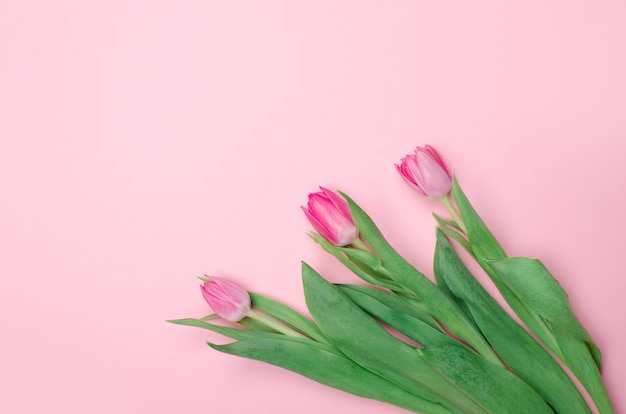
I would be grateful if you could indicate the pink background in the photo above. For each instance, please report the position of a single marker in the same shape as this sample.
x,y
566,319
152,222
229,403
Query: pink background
x,y
144,143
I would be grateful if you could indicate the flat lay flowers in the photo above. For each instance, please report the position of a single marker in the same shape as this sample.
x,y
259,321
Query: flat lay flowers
x,y
353,207
395,335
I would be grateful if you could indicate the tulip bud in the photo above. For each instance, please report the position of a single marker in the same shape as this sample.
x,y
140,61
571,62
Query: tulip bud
x,y
426,172
329,215
227,299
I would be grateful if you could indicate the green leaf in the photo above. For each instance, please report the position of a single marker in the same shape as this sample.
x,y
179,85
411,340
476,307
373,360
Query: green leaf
x,y
579,356
450,231
497,390
396,313
443,284
485,248
447,223
483,243
540,303
367,261
367,343
338,253
440,305
526,357
542,293
407,305
234,333
326,365
255,325
287,315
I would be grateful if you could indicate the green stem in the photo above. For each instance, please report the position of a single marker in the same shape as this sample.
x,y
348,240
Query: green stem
x,y
274,325
455,214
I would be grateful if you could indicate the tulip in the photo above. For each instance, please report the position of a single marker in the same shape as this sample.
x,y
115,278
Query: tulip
x,y
227,299
329,215
426,172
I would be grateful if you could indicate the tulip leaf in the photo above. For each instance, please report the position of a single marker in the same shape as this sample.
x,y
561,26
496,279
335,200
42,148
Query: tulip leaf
x,y
446,222
287,315
364,341
450,231
400,303
324,364
582,358
395,312
519,350
367,343
484,247
441,306
540,291
497,390
483,243
543,294
442,283
354,267
537,299
234,333
367,261
255,325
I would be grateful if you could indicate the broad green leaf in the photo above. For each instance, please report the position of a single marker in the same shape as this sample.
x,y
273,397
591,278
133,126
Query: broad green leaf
x,y
400,303
441,281
287,315
540,291
531,319
532,363
519,350
578,356
441,306
396,313
367,343
484,247
543,294
492,386
326,365
540,303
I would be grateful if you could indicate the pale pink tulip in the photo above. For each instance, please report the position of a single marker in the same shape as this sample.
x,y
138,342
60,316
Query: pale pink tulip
x,y
329,215
227,299
426,172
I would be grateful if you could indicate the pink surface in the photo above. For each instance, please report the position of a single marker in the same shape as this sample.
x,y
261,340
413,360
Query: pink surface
x,y
145,143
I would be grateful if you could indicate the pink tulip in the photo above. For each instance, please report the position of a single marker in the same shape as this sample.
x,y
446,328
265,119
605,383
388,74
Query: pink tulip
x,y
329,215
426,172
227,299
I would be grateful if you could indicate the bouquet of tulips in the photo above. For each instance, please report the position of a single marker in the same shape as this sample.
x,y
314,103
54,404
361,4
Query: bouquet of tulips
x,y
463,353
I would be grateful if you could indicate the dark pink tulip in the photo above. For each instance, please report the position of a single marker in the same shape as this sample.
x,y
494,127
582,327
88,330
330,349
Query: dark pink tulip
x,y
329,215
227,299
426,172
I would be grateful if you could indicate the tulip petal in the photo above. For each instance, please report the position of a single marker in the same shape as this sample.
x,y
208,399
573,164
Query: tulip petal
x,y
329,215
227,299
426,172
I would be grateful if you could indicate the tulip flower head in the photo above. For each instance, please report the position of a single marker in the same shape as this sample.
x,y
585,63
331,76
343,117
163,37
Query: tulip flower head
x,y
426,172
330,216
227,299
